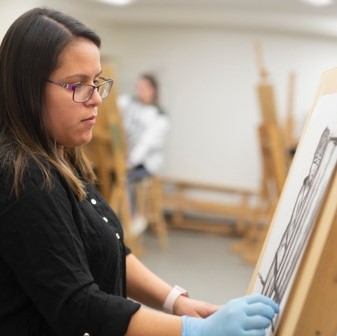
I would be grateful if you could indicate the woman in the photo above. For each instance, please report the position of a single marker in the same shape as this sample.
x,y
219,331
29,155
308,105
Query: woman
x,y
64,269
146,127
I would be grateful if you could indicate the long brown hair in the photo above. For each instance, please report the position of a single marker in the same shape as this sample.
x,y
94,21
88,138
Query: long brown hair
x,y
29,53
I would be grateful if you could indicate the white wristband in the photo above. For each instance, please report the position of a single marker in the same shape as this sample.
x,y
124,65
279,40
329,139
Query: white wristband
x,y
171,298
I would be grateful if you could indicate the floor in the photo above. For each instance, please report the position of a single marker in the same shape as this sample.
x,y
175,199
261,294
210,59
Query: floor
x,y
202,263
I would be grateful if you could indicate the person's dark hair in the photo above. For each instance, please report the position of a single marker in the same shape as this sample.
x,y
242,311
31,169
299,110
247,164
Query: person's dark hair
x,y
30,51
152,80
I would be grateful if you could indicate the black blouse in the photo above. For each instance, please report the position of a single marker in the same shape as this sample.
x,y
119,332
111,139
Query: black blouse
x,y
62,263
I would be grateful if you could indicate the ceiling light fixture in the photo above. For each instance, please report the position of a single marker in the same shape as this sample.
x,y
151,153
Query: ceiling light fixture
x,y
117,2
318,3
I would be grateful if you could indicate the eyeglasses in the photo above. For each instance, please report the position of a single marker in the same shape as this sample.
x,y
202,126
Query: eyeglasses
x,y
82,92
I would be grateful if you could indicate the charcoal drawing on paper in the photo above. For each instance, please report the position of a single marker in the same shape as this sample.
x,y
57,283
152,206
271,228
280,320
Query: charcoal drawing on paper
x,y
299,205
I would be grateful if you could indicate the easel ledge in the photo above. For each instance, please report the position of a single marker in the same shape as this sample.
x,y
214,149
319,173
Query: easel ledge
x,y
312,305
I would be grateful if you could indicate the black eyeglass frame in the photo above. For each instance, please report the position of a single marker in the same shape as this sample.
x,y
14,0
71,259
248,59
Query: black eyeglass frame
x,y
73,87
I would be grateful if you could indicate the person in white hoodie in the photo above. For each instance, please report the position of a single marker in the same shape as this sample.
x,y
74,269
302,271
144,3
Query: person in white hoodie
x,y
146,127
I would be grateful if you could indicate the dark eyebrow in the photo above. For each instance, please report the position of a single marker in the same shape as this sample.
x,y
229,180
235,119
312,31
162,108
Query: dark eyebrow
x,y
82,76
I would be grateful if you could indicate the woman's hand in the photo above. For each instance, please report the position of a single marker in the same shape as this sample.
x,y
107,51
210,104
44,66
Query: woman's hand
x,y
186,306
245,316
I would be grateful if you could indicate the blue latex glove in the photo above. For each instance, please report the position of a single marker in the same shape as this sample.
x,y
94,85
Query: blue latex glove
x,y
245,316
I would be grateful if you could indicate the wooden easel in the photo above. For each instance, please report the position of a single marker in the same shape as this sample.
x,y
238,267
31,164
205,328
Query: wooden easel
x,y
311,307
268,108
274,165
289,126
274,174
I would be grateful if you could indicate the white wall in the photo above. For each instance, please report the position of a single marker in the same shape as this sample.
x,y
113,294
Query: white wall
x,y
209,79
10,10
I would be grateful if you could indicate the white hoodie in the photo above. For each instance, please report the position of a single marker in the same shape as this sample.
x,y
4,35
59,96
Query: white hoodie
x,y
146,131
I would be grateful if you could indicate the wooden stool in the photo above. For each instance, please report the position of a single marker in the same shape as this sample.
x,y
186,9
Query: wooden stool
x,y
150,204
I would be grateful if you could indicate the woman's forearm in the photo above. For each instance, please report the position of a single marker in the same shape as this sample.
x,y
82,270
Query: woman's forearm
x,y
143,285
147,322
